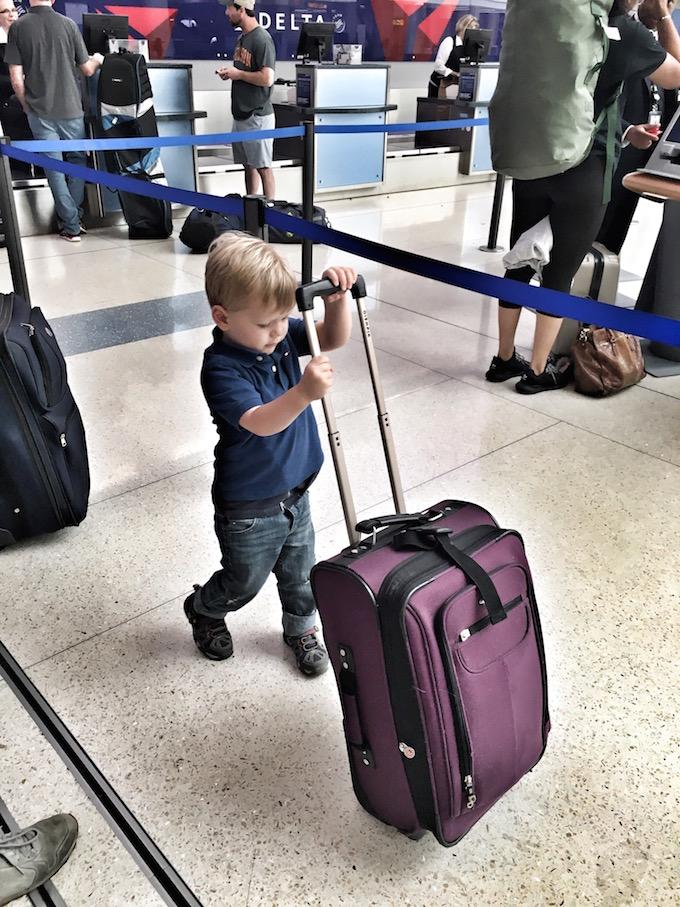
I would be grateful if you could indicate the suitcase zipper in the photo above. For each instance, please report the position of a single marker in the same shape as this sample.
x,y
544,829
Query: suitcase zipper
x,y
406,579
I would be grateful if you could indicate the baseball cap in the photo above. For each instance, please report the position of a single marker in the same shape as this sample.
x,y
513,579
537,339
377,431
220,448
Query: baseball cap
x,y
244,4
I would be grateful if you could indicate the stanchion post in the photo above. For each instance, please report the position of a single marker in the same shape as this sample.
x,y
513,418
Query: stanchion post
x,y
10,224
253,216
308,199
492,244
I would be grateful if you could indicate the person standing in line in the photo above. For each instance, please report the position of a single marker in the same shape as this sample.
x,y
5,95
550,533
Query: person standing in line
x,y
43,50
638,140
447,62
573,200
252,78
8,16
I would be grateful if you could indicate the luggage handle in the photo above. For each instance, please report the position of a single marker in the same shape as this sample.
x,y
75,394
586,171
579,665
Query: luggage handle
x,y
347,684
305,299
398,519
305,295
477,575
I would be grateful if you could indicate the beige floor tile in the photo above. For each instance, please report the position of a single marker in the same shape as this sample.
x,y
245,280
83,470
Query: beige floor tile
x,y
227,759
146,417
110,277
34,783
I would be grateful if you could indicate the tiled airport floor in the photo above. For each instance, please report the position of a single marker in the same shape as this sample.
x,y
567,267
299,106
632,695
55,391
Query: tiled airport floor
x,y
239,769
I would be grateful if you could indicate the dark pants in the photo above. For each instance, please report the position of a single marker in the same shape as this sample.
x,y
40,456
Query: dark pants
x,y
252,549
621,208
573,201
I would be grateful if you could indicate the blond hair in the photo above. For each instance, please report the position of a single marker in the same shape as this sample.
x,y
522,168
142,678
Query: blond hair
x,y
468,21
242,269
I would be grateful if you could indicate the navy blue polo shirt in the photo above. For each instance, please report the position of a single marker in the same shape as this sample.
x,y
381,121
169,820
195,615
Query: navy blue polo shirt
x,y
234,379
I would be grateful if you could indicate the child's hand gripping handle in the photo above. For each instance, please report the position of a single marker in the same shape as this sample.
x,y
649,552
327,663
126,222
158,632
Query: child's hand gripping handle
x,y
305,295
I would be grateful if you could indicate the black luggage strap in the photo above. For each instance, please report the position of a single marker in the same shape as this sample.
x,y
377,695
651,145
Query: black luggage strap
x,y
347,682
598,274
429,538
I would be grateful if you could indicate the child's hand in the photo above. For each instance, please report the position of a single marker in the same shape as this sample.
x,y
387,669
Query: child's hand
x,y
317,379
345,278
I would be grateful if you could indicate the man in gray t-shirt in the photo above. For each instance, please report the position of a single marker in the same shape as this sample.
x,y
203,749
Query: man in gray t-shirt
x,y
43,50
252,78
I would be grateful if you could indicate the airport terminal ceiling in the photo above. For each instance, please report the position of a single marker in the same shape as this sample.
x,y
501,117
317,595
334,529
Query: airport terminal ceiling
x,y
393,30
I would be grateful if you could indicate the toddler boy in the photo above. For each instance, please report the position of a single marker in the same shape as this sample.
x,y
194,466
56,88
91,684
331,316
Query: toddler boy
x,y
268,453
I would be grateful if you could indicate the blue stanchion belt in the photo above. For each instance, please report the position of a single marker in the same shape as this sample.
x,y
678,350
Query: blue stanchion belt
x,y
641,324
227,138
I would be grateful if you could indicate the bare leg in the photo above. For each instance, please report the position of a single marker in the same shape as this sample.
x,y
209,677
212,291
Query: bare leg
x,y
252,181
268,182
545,335
508,319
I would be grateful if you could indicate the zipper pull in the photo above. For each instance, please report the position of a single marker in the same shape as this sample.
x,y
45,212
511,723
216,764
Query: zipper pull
x,y
63,441
29,328
470,791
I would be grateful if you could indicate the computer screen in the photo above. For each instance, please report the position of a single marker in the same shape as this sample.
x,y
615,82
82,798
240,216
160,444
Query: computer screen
x,y
476,44
97,29
316,41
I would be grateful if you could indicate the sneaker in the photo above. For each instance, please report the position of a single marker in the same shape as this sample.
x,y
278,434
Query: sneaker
x,y
210,633
28,858
310,655
504,369
555,376
69,237
83,228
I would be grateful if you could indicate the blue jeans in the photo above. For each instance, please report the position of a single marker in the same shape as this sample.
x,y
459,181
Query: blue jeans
x,y
68,192
252,549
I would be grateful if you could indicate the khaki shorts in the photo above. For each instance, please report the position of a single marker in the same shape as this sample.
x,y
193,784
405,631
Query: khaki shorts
x,y
258,154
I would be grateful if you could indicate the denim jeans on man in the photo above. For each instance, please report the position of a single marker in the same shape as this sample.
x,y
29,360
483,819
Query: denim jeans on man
x,y
252,549
68,192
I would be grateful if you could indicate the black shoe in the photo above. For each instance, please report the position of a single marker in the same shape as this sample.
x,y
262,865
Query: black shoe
x,y
504,369
555,376
310,655
210,633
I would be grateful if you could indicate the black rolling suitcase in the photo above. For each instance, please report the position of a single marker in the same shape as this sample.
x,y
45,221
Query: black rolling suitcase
x,y
125,110
44,475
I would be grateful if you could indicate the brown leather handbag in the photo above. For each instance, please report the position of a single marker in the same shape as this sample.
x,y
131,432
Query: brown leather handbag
x,y
606,361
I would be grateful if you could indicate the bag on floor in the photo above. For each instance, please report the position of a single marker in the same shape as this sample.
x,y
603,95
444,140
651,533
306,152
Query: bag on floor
x,y
597,278
606,361
202,227
283,236
125,110
432,628
542,111
44,475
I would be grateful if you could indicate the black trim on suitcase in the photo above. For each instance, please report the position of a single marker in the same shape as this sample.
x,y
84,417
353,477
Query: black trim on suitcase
x,y
598,274
396,589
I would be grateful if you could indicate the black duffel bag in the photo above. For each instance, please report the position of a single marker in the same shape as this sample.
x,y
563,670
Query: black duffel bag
x,y
201,227
281,236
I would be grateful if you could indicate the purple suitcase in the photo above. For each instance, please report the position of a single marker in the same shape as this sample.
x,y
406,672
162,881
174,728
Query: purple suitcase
x,y
433,631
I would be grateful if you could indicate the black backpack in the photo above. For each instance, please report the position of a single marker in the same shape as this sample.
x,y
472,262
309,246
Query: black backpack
x,y
281,236
201,227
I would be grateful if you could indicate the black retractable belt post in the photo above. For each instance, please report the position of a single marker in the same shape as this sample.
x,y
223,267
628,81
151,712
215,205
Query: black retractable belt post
x,y
253,216
492,245
10,224
308,198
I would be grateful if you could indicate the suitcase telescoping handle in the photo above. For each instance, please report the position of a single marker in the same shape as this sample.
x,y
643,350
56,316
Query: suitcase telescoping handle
x,y
305,298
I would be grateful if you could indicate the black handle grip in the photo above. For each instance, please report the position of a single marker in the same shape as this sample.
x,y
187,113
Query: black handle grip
x,y
305,295
394,519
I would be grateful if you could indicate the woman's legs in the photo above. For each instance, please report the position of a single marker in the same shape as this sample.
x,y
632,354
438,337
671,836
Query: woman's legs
x,y
575,217
530,204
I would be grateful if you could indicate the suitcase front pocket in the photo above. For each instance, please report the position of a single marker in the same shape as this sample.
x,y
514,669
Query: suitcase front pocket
x,y
495,684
